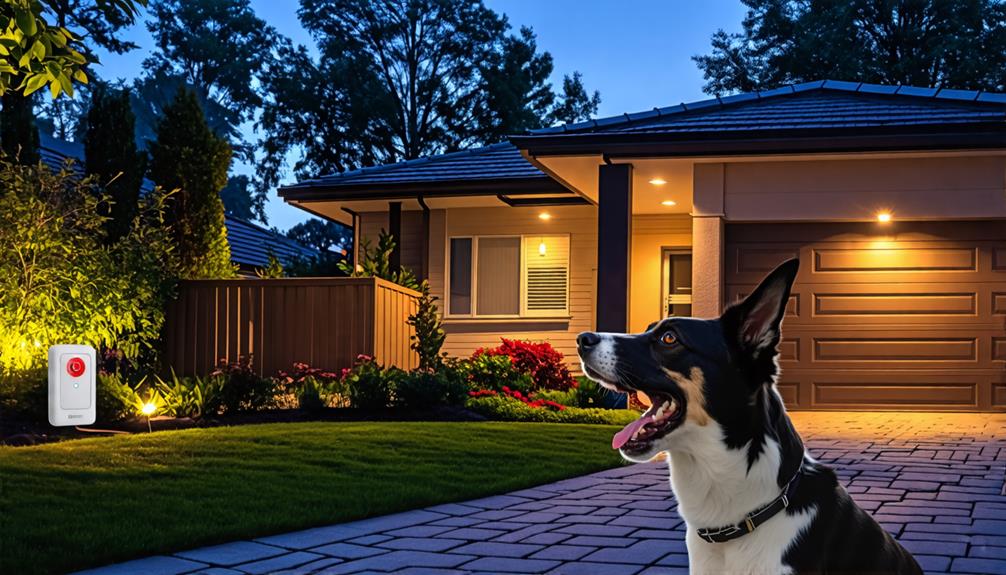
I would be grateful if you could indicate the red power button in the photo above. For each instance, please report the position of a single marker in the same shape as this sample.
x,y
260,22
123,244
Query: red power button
x,y
75,367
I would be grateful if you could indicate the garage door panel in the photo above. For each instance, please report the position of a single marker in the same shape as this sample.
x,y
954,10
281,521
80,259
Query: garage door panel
x,y
886,393
901,259
909,317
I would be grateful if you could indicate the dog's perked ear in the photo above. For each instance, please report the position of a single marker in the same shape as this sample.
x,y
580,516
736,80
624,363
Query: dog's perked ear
x,y
755,322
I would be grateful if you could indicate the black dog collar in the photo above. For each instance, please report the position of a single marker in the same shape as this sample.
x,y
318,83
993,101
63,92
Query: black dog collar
x,y
756,518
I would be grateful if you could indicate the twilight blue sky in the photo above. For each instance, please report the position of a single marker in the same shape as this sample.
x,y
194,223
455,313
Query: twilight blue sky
x,y
636,52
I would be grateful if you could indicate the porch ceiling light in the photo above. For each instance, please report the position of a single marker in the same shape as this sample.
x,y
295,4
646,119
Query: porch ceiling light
x,y
658,181
668,203
545,216
884,217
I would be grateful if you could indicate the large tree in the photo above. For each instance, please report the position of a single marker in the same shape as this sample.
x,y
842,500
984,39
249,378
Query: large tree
x,y
939,43
188,157
396,80
217,47
110,154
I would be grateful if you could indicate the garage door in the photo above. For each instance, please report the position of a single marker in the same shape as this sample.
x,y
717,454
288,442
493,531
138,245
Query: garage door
x,y
905,316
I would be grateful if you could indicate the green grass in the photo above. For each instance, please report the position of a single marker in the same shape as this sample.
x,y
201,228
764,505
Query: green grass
x,y
77,504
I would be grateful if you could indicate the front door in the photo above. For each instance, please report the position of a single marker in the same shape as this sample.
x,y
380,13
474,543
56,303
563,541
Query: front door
x,y
676,277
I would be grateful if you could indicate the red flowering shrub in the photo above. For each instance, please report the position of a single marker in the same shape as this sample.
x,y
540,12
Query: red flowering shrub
x,y
515,394
540,360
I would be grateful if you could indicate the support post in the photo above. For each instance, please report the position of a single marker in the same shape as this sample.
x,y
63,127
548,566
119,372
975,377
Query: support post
x,y
614,246
395,225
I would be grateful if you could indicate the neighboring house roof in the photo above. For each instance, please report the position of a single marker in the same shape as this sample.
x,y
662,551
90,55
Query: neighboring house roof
x,y
812,116
500,166
250,243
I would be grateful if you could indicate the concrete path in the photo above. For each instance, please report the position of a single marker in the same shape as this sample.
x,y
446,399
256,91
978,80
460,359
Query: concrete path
x,y
936,481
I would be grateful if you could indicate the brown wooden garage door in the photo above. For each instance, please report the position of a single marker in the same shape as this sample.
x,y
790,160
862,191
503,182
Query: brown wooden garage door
x,y
905,316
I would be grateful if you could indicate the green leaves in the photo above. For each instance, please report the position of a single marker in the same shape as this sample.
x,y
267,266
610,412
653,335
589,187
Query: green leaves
x,y
36,53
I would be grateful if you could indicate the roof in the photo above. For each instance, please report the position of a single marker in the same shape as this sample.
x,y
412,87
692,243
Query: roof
x,y
825,115
500,165
815,105
250,243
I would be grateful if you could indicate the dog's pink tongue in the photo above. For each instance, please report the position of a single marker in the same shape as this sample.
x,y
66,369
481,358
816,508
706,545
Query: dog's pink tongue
x,y
623,437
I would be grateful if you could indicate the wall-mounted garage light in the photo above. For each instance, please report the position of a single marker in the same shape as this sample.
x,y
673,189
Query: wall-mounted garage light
x,y
658,181
884,217
541,248
668,203
545,216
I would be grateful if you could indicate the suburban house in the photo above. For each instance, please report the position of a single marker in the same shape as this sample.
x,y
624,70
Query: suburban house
x,y
250,244
893,197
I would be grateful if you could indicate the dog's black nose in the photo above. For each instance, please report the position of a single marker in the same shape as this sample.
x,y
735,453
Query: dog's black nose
x,y
587,340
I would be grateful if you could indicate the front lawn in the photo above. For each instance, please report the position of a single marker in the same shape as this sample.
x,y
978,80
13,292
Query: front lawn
x,y
77,504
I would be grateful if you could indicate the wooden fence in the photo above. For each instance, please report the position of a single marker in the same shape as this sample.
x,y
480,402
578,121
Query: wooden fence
x,y
325,322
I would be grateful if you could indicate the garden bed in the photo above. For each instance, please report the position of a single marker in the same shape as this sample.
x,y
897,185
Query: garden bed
x,y
137,495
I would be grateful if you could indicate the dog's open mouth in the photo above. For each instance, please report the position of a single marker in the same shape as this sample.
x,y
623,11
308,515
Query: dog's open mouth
x,y
663,417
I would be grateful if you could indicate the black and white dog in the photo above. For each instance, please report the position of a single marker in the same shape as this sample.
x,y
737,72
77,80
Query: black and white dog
x,y
752,499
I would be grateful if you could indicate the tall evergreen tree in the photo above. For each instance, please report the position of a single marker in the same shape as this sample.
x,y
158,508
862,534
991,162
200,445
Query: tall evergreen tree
x,y
189,157
110,153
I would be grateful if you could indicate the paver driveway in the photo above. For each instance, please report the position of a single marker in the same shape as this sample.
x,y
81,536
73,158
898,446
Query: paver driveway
x,y
934,480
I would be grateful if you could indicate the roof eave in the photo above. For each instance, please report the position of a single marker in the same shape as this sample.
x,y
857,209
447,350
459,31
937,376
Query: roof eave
x,y
449,188
981,135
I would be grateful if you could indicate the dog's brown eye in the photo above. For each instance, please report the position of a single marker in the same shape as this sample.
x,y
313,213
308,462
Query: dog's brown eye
x,y
668,338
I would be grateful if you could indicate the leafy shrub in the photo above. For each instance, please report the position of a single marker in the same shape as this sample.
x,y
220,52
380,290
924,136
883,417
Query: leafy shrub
x,y
313,387
115,397
487,371
25,391
54,250
505,408
429,335
541,361
193,397
425,389
589,393
568,398
368,385
240,388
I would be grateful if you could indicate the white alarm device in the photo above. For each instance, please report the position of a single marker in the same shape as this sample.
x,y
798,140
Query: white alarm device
x,y
72,371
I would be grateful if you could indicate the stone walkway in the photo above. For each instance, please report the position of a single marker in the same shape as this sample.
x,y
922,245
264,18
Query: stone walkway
x,y
936,481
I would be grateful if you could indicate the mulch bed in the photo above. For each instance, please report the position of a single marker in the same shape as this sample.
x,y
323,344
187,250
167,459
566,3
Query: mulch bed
x,y
18,430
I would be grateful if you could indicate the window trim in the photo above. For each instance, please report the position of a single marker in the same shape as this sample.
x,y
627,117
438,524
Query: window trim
x,y
522,312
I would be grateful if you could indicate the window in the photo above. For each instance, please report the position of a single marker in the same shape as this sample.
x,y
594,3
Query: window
x,y
509,276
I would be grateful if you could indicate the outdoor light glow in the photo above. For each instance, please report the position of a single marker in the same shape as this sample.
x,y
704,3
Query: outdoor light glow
x,y
668,203
148,409
541,248
884,217
658,181
545,216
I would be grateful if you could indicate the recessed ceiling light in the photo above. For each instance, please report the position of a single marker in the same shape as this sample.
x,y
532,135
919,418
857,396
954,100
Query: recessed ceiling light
x,y
658,181
668,203
545,216
884,217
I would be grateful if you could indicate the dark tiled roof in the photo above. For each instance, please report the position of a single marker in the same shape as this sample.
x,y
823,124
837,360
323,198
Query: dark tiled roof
x,y
814,105
497,162
250,243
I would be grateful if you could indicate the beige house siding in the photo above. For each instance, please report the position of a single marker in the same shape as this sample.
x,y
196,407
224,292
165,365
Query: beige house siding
x,y
650,234
466,335
371,224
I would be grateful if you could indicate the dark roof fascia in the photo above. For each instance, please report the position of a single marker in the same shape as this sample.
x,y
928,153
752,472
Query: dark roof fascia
x,y
405,190
981,135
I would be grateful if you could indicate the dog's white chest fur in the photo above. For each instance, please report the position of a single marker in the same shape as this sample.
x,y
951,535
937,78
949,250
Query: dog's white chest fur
x,y
715,488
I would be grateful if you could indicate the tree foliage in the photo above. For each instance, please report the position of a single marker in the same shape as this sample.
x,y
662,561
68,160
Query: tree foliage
x,y
939,43
42,42
111,156
217,48
401,79
322,235
187,156
237,198
60,280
